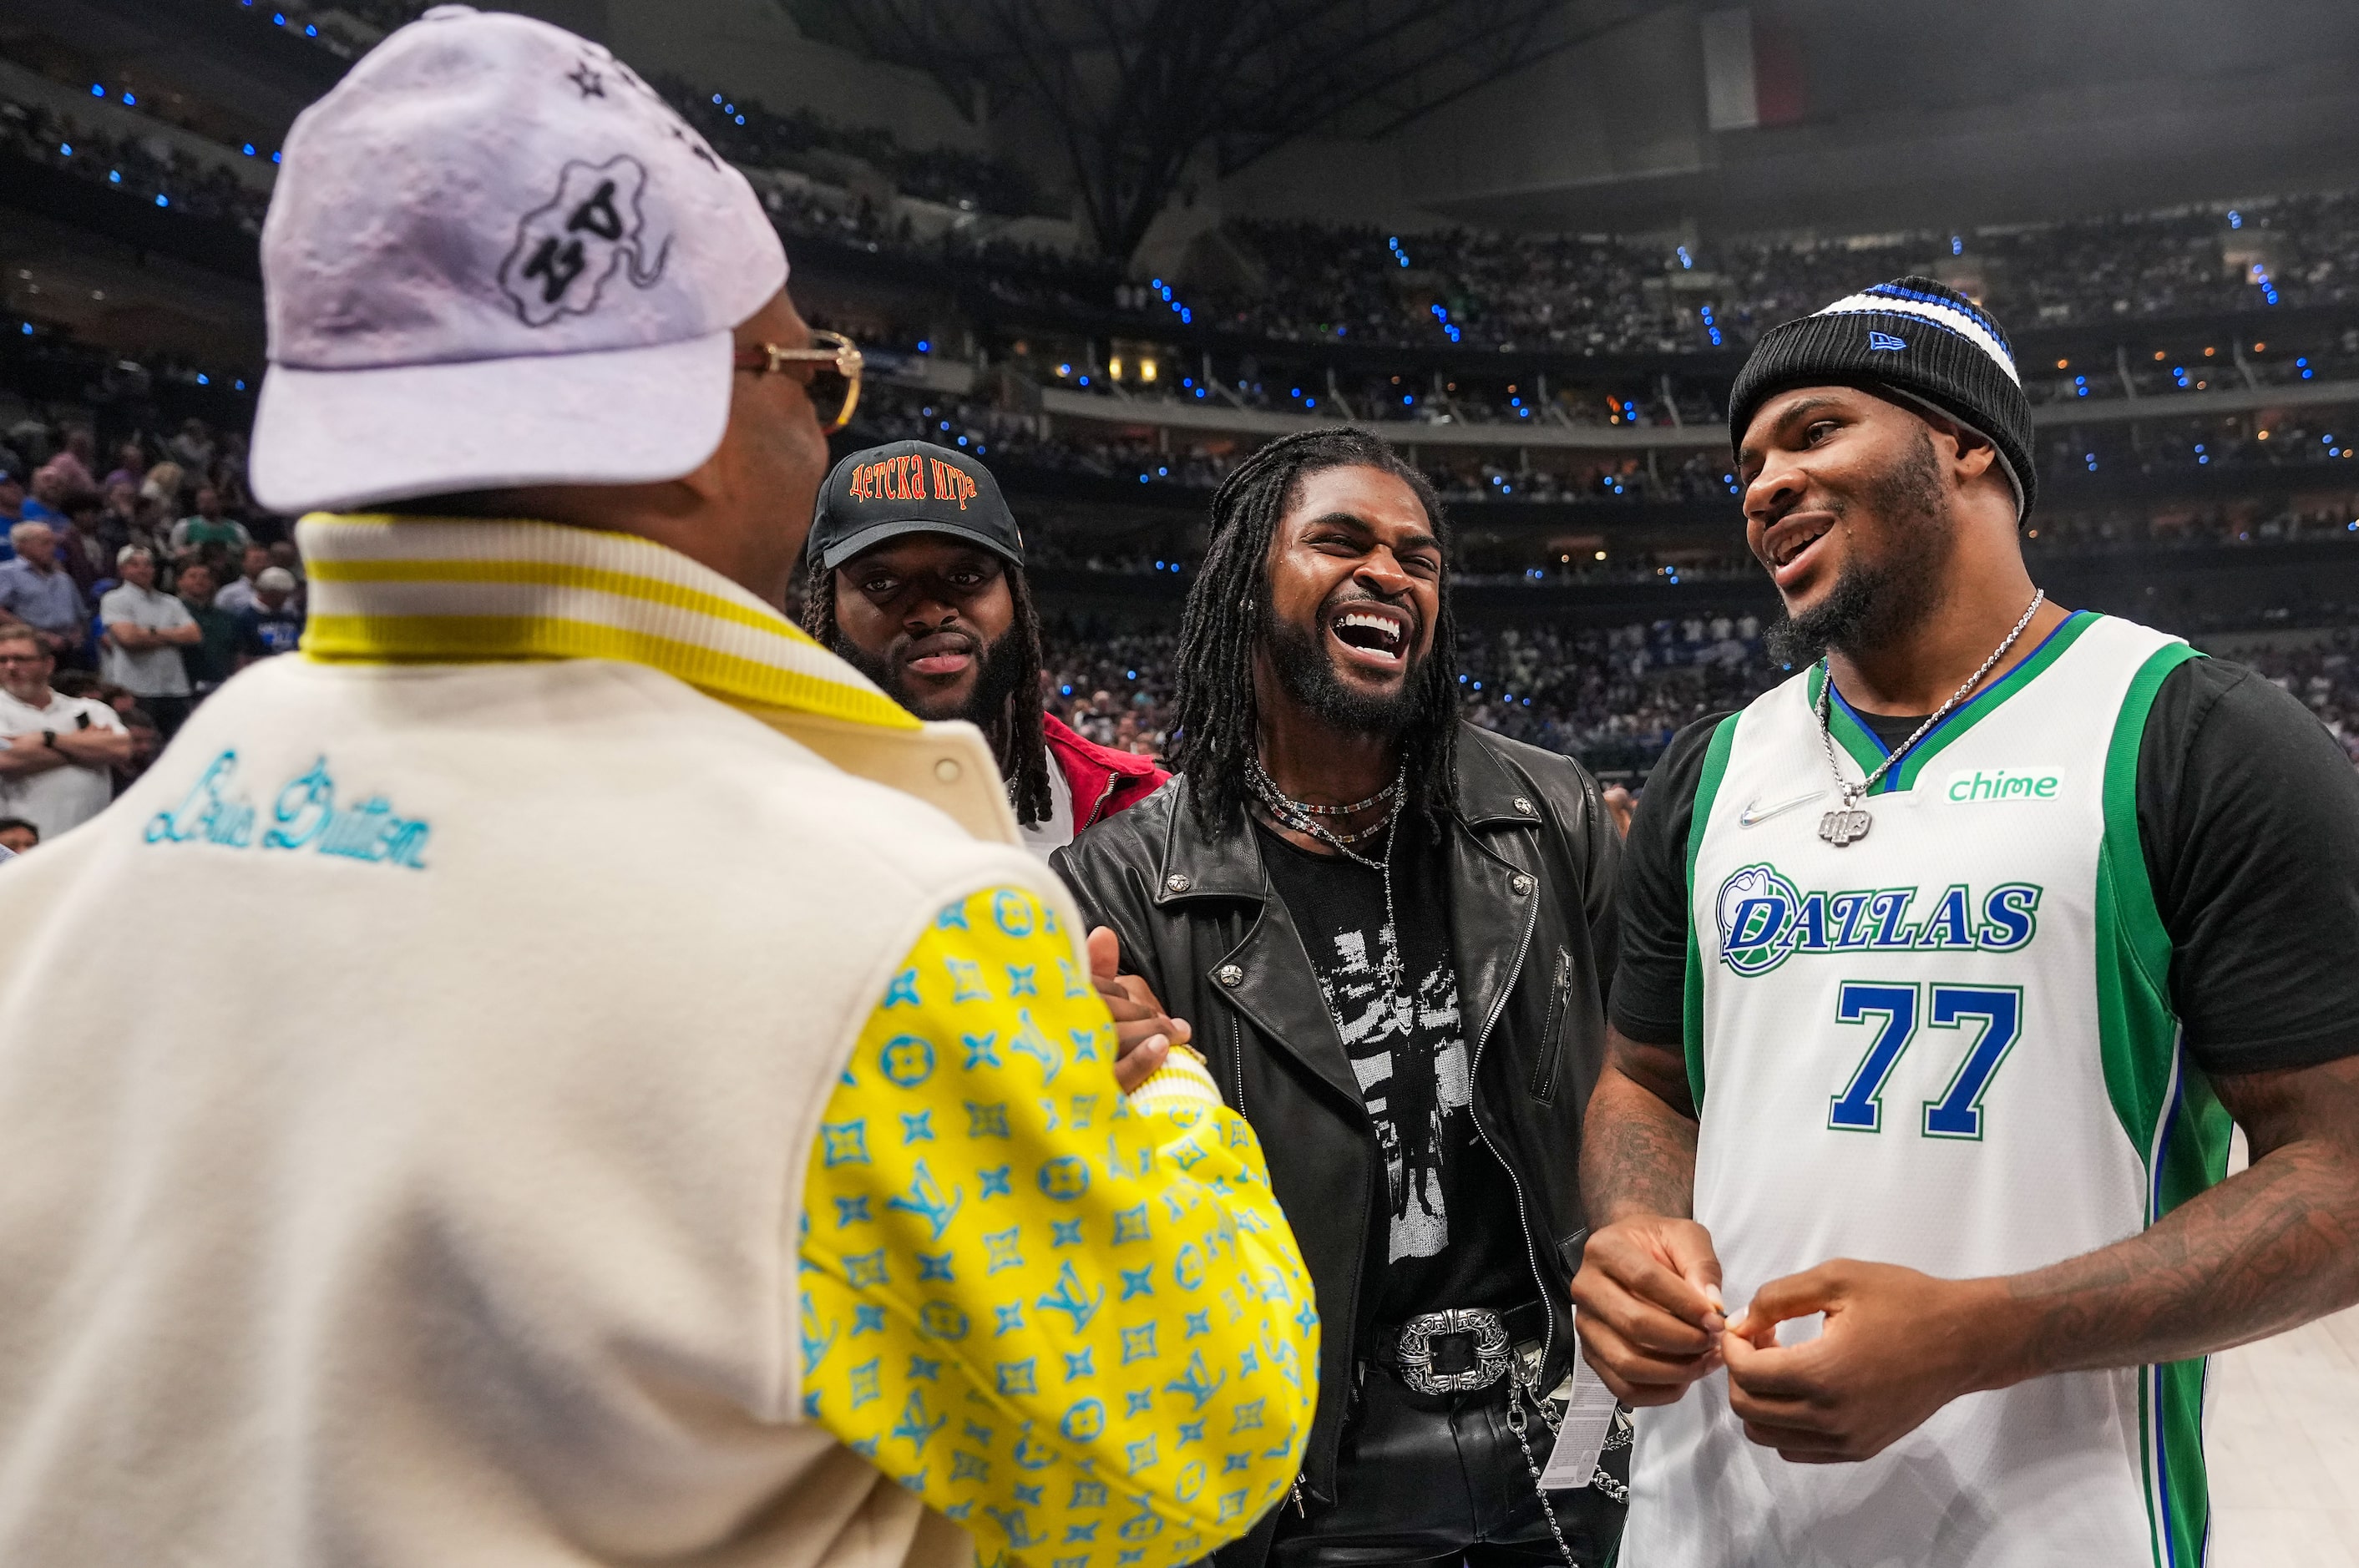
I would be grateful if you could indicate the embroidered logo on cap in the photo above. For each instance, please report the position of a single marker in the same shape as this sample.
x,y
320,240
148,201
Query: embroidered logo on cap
x,y
567,249
902,478
1876,340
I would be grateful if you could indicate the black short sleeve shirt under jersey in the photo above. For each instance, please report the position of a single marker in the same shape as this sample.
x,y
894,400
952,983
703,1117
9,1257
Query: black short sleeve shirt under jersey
x,y
2248,814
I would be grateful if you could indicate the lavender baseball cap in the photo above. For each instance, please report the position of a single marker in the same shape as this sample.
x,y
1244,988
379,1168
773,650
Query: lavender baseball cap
x,y
495,257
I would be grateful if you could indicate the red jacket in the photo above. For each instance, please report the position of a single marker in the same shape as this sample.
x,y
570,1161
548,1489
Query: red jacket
x,y
1103,781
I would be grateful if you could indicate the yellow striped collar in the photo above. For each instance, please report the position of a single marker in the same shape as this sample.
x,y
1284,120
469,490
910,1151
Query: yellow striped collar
x,y
421,590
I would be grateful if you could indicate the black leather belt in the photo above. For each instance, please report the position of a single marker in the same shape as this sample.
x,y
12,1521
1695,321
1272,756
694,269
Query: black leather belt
x,y
1458,1351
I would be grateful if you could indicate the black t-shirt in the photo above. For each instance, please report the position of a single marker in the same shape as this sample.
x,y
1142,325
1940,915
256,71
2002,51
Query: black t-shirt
x,y
2248,816
1446,1232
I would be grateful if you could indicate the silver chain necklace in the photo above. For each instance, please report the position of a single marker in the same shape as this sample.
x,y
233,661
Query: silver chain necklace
x,y
1849,822
1303,817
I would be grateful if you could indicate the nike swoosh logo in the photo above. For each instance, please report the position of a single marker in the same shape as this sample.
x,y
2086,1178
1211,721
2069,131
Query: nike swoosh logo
x,y
1756,813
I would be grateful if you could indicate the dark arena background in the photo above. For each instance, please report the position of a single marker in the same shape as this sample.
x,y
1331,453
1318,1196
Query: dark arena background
x,y
1110,248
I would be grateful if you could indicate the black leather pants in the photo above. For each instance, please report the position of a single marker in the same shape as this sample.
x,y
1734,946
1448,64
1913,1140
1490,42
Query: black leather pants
x,y
1440,1479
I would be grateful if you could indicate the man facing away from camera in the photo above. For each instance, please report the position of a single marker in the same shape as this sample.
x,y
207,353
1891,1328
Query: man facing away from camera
x,y
602,1129
1387,928
915,574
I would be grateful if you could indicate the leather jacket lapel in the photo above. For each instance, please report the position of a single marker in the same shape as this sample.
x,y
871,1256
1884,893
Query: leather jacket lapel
x,y
1276,988
1492,904
1278,993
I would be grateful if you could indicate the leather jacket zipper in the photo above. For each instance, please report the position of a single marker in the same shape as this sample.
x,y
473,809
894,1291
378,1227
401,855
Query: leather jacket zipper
x,y
1552,1028
1474,1072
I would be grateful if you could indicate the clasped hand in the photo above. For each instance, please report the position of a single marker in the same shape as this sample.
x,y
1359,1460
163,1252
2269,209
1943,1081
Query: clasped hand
x,y
1896,1344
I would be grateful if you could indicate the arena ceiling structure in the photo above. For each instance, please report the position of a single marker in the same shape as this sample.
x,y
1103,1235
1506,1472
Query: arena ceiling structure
x,y
1136,88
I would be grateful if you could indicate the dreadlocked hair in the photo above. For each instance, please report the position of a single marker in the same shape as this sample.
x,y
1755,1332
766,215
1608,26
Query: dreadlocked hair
x,y
1014,731
1215,716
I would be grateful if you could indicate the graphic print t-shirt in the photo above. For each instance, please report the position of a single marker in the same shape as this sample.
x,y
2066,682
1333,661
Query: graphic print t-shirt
x,y
1446,1232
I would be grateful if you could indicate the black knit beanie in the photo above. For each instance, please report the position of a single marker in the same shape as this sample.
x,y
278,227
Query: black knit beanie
x,y
1917,339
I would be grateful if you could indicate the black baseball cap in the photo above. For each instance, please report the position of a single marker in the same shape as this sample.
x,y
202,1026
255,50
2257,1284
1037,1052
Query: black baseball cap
x,y
911,487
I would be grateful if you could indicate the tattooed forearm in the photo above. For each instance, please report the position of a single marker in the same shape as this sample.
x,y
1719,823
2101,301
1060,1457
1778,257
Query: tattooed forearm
x,y
1638,1150
2271,1247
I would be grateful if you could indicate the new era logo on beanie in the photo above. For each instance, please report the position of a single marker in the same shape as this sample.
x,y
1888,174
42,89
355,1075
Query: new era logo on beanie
x,y
1918,338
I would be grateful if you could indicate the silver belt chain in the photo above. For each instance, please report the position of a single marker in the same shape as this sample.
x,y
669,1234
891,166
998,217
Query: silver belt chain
x,y
1495,1358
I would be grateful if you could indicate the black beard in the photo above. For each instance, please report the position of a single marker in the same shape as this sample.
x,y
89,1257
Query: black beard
x,y
1306,669
1003,672
1872,604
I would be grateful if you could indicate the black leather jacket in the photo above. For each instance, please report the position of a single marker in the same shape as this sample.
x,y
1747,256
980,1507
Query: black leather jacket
x,y
1532,855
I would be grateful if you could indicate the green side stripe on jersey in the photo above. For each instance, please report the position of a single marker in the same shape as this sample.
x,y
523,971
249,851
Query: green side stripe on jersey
x,y
2164,1106
1867,751
1715,765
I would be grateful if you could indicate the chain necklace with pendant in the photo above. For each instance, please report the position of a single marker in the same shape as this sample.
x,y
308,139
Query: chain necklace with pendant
x,y
1849,822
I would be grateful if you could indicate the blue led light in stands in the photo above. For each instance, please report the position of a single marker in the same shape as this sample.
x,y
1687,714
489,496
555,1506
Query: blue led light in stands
x,y
961,441
203,380
248,149
1162,473
65,149
1957,245
1142,479
2235,219
1407,400
925,345
97,90
716,97
1686,261
241,385
115,177
28,328
130,101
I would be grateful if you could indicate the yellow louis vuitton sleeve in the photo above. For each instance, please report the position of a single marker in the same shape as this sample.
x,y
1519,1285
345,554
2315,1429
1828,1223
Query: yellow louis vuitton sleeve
x,y
1076,1323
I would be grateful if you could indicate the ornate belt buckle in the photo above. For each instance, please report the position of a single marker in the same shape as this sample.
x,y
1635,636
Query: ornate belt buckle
x,y
1485,1328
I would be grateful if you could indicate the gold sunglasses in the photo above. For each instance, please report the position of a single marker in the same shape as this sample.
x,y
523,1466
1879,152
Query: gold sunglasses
x,y
835,371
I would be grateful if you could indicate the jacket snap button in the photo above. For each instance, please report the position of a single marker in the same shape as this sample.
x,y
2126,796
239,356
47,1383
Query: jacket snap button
x,y
1229,975
1523,805
947,771
1522,883
1177,882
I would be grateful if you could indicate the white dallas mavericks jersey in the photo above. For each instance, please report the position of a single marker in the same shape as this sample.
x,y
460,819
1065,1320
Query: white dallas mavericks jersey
x,y
1948,1045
